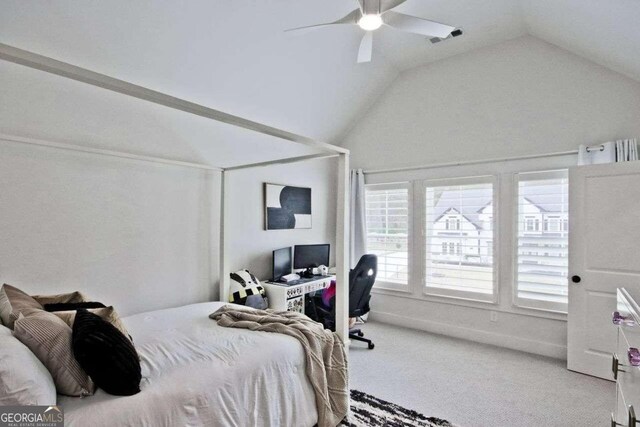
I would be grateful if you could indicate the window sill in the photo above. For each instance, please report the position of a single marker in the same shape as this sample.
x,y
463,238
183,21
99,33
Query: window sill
x,y
390,288
551,312
429,294
476,304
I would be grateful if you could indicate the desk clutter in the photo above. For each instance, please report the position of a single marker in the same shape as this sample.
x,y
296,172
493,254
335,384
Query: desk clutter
x,y
296,272
302,283
288,297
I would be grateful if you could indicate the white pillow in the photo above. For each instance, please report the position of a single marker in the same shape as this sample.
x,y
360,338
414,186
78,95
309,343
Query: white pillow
x,y
23,378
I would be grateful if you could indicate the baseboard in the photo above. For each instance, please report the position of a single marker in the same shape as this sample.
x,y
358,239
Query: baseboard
x,y
501,340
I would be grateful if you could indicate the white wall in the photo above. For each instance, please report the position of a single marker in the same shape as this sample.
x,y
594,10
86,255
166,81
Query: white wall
x,y
134,234
251,245
519,97
516,98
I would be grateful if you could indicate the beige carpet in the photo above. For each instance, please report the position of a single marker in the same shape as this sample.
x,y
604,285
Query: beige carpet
x,y
475,385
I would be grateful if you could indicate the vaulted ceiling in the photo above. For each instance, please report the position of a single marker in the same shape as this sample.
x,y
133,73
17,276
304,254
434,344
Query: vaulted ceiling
x,y
233,55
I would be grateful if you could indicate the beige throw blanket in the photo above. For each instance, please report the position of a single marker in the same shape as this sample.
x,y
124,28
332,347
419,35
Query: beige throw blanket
x,y
326,363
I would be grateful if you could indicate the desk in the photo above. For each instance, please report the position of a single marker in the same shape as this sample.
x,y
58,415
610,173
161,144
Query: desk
x,y
290,297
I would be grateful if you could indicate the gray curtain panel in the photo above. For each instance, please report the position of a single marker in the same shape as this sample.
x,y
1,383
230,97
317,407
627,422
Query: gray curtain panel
x,y
622,150
358,228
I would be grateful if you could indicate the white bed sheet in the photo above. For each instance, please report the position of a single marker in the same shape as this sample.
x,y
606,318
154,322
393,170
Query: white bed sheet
x,y
196,373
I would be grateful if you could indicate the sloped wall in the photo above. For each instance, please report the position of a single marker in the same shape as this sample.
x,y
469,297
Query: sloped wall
x,y
520,97
517,98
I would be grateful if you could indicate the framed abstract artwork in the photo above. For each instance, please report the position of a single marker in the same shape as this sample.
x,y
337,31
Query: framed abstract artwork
x,y
287,207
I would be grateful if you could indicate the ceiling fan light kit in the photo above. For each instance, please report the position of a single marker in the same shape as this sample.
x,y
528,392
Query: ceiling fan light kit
x,y
370,22
370,16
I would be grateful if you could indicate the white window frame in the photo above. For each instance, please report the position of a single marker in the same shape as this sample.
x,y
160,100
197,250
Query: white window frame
x,y
431,291
535,224
527,303
554,220
396,286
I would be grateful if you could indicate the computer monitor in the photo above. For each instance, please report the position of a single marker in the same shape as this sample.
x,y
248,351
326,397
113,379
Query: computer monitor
x,y
305,256
281,263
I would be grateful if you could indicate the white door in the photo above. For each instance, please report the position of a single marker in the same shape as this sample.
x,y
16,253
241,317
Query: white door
x,y
604,254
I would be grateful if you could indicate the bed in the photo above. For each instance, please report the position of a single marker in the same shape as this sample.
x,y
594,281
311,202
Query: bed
x,y
198,373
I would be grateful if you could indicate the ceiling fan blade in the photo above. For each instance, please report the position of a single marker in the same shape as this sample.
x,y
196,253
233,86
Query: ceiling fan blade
x,y
386,5
412,24
366,48
352,18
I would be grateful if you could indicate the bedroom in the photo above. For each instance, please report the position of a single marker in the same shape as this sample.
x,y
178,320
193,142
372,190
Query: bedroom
x,y
134,198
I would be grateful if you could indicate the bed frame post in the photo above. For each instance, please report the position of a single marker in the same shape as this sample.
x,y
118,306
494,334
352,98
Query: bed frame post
x,y
52,66
342,250
223,294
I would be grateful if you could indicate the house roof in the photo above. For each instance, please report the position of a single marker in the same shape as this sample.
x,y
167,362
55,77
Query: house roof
x,y
454,210
474,201
234,56
544,198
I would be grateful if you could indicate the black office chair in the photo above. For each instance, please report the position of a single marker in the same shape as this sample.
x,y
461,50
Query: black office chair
x,y
361,280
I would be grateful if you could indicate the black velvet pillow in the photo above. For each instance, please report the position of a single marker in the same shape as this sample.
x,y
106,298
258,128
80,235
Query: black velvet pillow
x,y
106,355
66,306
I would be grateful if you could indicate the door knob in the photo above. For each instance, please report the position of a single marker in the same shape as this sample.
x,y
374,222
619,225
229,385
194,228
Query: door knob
x,y
576,279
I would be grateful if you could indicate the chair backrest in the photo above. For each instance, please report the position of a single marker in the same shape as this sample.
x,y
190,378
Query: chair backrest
x,y
361,280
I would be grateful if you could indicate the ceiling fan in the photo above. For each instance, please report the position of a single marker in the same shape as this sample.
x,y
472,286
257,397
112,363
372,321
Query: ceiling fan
x,y
372,14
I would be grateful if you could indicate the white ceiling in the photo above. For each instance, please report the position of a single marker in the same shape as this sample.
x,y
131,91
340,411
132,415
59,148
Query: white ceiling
x,y
233,55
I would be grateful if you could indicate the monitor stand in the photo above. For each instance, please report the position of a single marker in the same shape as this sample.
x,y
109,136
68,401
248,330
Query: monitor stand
x,y
308,273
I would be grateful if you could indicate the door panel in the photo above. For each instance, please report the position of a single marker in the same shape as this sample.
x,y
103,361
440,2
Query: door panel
x,y
604,250
612,205
602,333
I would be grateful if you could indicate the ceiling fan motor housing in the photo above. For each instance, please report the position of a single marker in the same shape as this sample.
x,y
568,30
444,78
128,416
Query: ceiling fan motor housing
x,y
371,7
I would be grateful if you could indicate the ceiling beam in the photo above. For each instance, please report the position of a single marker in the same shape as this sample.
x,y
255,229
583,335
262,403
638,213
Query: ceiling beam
x,y
49,65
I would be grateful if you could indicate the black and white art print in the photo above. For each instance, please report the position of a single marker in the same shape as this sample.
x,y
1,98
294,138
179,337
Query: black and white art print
x,y
287,207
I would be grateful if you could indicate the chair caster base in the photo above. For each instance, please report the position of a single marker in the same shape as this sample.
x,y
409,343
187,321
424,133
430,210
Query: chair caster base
x,y
357,336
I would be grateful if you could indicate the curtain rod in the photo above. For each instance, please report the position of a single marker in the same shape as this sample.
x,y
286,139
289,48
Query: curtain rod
x,y
471,162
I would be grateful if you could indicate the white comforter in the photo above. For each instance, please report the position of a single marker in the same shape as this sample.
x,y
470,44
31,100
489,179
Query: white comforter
x,y
196,373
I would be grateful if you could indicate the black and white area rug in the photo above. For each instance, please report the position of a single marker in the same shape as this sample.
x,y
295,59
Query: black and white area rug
x,y
369,411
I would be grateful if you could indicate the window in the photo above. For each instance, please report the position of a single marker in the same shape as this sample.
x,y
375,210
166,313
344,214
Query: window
x,y
553,223
531,223
452,222
459,238
387,217
542,258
